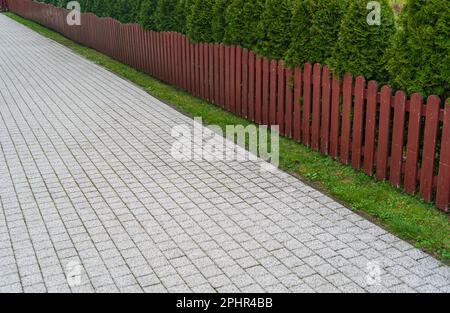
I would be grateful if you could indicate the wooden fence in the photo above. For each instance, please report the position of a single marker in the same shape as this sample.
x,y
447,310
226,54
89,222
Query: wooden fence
x,y
405,140
3,5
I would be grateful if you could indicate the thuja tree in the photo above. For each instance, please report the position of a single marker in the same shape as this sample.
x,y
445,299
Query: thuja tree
x,y
274,29
325,28
180,15
164,16
362,46
234,28
218,23
301,23
199,21
315,29
242,18
419,59
146,14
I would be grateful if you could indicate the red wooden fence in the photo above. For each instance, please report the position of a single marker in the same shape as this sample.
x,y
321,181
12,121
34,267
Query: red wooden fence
x,y
386,134
3,6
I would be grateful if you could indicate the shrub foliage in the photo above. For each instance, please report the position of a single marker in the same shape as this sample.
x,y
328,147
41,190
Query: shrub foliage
x,y
274,29
315,29
361,47
199,21
419,59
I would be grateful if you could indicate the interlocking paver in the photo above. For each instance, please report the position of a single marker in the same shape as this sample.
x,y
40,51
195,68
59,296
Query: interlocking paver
x,y
89,189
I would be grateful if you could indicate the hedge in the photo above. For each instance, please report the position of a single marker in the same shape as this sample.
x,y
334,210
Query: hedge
x,y
199,21
419,59
242,18
218,23
274,29
361,47
146,12
315,29
164,17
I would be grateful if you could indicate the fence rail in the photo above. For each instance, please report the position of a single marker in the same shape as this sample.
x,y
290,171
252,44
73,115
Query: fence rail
x,y
404,140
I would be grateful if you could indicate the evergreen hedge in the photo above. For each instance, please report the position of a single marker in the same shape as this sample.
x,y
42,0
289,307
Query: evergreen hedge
x,y
199,21
146,14
274,29
181,12
419,59
315,29
242,18
361,47
218,23
164,17
301,23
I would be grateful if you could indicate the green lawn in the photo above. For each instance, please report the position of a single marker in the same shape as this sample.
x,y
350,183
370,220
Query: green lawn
x,y
406,216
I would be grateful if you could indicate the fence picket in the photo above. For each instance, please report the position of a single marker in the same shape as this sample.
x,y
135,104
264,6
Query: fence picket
x,y
265,92
211,72
398,139
206,72
316,107
443,185
297,131
429,148
384,133
346,118
222,75
326,111
413,145
227,78
281,93
258,90
273,93
306,105
232,95
358,122
335,117
201,69
251,85
238,82
370,130
244,96
289,105
217,74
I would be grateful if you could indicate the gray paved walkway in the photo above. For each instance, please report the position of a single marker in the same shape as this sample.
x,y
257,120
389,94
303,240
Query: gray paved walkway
x,y
86,177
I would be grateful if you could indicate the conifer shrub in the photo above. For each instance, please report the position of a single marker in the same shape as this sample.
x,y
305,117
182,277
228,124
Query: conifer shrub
x,y
218,23
242,18
164,17
199,21
274,29
419,58
146,14
315,30
361,47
